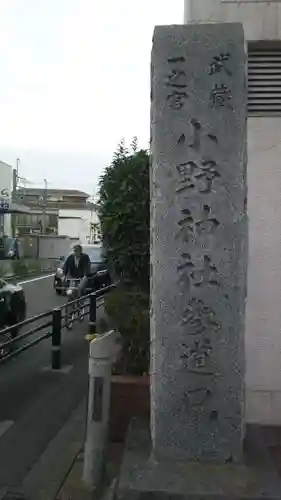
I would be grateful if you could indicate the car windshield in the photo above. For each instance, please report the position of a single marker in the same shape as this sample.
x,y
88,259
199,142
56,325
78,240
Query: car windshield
x,y
95,253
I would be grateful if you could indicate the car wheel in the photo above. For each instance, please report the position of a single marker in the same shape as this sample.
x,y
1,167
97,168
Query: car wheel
x,y
57,290
69,317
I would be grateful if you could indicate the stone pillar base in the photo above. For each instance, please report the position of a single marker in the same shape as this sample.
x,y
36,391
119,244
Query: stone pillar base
x,y
143,478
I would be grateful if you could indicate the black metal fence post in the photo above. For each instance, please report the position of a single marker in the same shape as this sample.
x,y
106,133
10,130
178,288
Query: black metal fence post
x,y
56,339
93,314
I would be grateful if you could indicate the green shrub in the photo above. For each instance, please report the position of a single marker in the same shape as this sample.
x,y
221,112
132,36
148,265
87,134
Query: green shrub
x,y
34,266
128,312
19,267
23,267
124,215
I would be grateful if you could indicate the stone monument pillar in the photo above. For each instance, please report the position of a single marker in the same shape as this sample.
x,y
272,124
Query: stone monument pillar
x,y
198,241
194,447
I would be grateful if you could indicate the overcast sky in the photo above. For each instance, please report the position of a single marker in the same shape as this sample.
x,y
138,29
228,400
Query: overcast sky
x,y
74,80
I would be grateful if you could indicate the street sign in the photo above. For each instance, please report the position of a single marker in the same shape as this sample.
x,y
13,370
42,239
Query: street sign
x,y
4,205
6,182
5,199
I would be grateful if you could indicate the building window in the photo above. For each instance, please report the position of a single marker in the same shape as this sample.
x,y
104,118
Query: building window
x,y
53,220
264,78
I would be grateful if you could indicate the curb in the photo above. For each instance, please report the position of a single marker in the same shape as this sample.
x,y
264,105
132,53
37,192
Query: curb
x,y
29,275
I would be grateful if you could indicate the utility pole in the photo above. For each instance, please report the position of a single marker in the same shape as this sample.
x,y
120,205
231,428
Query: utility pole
x,y
15,184
15,179
14,197
44,208
91,216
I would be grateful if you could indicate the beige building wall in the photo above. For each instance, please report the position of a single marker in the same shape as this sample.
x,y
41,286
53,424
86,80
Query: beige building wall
x,y
262,21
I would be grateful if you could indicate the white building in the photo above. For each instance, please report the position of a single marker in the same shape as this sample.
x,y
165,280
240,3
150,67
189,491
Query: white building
x,y
82,224
262,26
6,186
7,204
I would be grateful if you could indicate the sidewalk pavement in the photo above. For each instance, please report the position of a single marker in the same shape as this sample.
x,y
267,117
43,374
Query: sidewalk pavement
x,y
45,478
73,487
57,475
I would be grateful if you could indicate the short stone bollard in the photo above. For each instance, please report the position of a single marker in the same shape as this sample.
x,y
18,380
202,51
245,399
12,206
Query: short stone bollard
x,y
101,356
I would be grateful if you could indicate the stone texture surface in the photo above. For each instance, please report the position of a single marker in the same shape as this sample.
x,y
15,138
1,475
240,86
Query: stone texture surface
x,y
142,477
198,241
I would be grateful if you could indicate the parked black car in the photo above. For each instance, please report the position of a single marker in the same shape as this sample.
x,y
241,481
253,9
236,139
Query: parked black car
x,y
12,308
99,276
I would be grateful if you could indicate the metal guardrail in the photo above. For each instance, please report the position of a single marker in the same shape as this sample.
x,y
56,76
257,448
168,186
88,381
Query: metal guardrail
x,y
56,319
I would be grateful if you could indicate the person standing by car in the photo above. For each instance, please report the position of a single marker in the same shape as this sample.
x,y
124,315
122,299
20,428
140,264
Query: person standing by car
x,y
77,266
16,249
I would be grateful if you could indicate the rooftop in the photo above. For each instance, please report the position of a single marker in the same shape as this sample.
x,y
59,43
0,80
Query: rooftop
x,y
63,192
4,163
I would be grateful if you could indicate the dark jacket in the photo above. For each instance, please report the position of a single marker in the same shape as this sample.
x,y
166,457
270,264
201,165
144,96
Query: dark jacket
x,y
16,247
83,268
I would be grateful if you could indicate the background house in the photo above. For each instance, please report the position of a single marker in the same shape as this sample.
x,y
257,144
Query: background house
x,y
262,26
55,211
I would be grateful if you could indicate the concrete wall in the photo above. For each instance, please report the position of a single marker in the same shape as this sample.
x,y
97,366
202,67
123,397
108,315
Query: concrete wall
x,y
54,246
263,325
261,20
76,223
47,247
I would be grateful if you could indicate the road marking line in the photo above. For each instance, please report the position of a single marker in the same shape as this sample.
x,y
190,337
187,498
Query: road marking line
x,y
65,369
37,279
4,426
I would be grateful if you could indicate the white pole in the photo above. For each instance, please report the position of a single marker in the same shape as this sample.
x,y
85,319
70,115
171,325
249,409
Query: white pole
x,y
100,363
187,11
44,209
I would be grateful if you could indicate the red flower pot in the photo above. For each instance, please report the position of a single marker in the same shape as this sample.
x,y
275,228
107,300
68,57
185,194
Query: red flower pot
x,y
130,397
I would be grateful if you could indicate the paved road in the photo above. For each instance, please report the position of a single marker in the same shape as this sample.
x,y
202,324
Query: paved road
x,y
34,401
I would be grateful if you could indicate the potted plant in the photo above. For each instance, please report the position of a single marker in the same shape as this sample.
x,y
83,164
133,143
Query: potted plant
x,y
128,313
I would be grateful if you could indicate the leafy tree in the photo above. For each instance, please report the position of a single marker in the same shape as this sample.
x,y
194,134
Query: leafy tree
x,y
121,151
134,145
124,214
